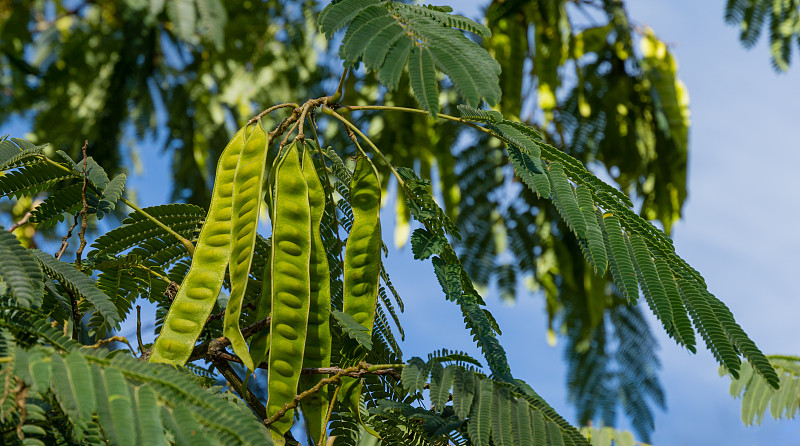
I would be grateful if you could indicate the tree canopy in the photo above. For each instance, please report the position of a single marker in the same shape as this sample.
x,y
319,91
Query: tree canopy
x,y
604,92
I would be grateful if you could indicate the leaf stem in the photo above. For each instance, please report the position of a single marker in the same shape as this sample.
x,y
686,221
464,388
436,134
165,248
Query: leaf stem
x,y
351,126
337,95
270,110
185,242
415,111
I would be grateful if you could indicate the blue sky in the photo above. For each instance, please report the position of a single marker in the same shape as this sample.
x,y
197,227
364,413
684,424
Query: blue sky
x,y
738,230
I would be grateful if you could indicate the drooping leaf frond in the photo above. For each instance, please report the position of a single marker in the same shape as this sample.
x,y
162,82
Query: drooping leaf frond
x,y
31,179
19,271
388,35
630,263
164,400
15,151
489,408
757,397
80,284
784,26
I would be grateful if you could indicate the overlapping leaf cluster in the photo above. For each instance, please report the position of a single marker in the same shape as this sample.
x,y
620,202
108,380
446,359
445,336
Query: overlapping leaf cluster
x,y
614,238
390,36
64,393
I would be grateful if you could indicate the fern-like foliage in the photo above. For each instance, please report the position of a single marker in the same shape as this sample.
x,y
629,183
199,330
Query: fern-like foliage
x,y
484,410
757,397
19,271
28,173
80,387
79,284
781,17
15,152
614,368
637,252
388,36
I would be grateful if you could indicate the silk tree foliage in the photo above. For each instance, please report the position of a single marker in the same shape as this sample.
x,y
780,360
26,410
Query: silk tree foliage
x,y
211,66
781,18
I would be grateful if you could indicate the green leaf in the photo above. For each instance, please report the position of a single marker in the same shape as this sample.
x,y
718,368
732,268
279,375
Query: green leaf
x,y
441,381
521,423
111,194
480,417
620,258
336,15
15,151
449,277
424,244
538,429
422,76
651,282
596,252
151,430
114,406
476,115
414,375
80,284
501,417
530,170
565,200
464,388
73,387
19,271
683,331
432,36
353,329
395,60
709,326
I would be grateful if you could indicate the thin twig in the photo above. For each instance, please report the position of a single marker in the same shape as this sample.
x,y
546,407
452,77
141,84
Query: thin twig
x,y
21,222
322,438
238,385
270,110
84,210
110,340
356,371
139,328
216,346
65,239
301,122
375,149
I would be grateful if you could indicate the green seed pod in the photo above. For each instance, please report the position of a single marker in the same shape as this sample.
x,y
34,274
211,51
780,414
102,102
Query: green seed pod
x,y
362,259
247,192
318,341
200,287
291,250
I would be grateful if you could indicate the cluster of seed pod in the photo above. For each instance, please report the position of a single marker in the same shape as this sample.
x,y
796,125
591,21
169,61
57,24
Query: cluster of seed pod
x,y
296,281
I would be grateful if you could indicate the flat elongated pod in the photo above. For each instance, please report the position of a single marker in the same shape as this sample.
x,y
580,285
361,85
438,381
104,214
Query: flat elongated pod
x,y
318,340
362,259
291,251
259,344
200,287
247,193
